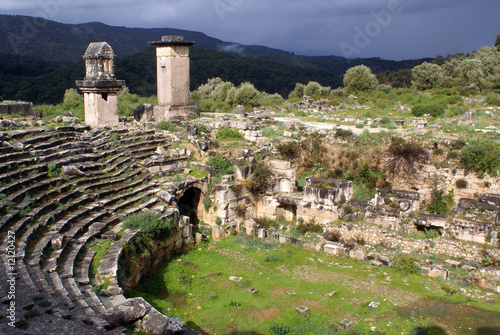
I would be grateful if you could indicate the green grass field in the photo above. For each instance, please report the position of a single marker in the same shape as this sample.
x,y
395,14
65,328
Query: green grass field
x,y
195,287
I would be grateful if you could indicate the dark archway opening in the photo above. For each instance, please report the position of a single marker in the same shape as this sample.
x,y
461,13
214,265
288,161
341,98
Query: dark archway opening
x,y
188,204
431,231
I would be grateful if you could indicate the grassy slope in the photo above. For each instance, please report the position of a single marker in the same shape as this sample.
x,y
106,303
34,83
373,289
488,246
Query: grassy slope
x,y
196,288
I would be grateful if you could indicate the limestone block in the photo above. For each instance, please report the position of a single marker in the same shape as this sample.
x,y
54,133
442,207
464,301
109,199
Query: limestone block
x,y
454,264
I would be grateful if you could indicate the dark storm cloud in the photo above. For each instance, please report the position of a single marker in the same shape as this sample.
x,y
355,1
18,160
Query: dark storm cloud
x,y
395,29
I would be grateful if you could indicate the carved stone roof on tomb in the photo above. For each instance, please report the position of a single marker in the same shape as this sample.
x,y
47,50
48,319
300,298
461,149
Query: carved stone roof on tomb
x,y
99,50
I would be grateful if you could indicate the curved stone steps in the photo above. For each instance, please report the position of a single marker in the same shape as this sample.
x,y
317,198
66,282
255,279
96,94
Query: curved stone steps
x,y
16,155
16,164
23,182
38,193
77,234
28,192
120,208
90,307
7,220
72,214
37,139
81,269
13,175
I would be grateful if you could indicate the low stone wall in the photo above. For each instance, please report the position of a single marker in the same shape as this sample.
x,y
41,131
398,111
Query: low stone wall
x,y
130,271
20,108
449,177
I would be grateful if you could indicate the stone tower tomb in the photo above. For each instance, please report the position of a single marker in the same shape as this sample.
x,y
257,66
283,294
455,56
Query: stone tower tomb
x,y
172,62
100,87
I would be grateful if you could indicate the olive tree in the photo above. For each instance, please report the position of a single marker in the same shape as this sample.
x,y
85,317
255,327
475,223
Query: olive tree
x,y
360,78
471,71
426,76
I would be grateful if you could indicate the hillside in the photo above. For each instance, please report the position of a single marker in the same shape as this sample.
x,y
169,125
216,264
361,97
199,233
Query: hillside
x,y
53,41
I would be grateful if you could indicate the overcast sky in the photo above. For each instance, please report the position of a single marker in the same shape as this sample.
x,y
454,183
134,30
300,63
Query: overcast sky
x,y
390,29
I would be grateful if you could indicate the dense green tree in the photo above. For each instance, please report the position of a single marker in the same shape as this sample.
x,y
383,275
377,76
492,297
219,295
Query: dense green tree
x,y
426,76
298,91
490,60
471,72
497,42
360,78
313,89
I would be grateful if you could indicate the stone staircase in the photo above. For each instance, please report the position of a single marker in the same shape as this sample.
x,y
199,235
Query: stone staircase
x,y
57,218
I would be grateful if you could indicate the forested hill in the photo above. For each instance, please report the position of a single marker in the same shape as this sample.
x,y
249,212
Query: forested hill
x,y
39,59
42,81
53,41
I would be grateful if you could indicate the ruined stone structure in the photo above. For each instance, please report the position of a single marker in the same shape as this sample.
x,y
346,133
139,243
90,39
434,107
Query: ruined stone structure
x,y
100,87
172,62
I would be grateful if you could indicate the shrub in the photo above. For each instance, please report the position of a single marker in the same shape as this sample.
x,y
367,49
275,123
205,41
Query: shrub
x,y
406,265
493,99
150,224
481,158
21,324
360,78
279,329
229,134
427,76
440,203
272,258
312,89
343,133
165,125
434,108
332,235
410,151
31,313
298,91
201,128
309,227
221,165
218,221
259,182
461,183
289,150
207,203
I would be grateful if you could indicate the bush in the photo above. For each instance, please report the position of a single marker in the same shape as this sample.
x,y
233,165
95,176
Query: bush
x,y
165,125
410,151
31,313
493,99
440,203
434,108
343,133
150,224
406,265
201,128
279,329
481,158
21,324
259,182
360,78
461,183
229,134
218,221
426,76
289,150
332,235
221,165
310,227
207,203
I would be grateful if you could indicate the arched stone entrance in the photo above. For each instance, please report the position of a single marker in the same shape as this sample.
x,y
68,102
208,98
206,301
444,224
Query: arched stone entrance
x,y
189,203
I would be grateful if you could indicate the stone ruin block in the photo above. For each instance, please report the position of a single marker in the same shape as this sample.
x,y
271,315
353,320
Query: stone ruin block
x,y
302,310
327,191
333,249
143,113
